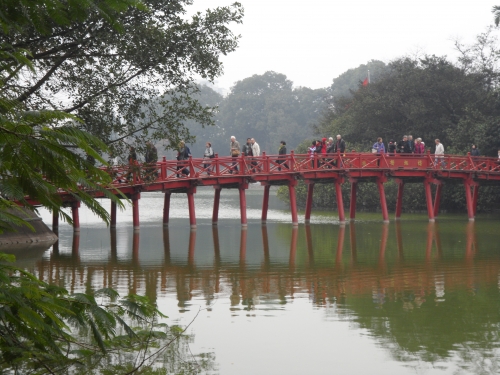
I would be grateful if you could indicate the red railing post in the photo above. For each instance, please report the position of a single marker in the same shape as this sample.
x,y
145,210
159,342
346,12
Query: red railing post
x,y
191,167
217,165
265,162
163,169
292,161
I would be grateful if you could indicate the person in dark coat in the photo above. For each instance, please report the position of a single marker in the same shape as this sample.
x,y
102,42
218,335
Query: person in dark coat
x,y
339,144
474,151
402,146
282,159
150,159
391,147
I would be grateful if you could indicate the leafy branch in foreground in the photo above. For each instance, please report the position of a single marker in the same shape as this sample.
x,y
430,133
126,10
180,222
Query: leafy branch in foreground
x,y
45,330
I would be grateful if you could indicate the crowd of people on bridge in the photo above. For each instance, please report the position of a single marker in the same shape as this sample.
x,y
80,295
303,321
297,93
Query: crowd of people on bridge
x,y
322,148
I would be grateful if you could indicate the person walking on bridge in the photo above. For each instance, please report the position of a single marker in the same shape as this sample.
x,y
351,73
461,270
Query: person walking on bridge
x,y
234,151
439,154
150,158
255,152
282,157
340,144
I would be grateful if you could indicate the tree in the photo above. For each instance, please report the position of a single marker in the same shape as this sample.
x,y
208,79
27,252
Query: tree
x,y
111,74
496,12
268,108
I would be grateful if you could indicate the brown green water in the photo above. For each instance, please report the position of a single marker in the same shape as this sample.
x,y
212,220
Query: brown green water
x,y
400,298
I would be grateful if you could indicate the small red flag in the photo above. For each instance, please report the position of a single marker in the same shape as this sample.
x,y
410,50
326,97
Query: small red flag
x,y
365,82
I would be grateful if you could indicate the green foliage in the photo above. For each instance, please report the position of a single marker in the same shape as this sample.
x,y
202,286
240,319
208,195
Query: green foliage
x,y
268,108
45,330
108,62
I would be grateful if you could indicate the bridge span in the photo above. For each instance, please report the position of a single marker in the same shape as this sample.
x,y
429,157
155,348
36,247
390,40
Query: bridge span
x,y
171,176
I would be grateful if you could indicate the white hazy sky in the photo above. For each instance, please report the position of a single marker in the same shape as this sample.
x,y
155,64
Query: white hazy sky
x,y
314,41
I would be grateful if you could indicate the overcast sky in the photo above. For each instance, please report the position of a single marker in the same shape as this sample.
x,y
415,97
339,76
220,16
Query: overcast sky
x,y
314,41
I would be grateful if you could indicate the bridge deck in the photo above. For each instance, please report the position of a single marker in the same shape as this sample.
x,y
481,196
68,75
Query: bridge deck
x,y
228,172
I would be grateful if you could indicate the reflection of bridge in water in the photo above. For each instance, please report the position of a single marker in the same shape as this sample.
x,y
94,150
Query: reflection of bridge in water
x,y
237,173
300,273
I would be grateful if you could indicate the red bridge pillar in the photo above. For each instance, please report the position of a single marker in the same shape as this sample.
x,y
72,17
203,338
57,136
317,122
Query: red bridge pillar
x,y
243,204
192,214
265,203
437,198
55,221
166,208
113,215
135,210
76,216
309,202
352,206
399,199
293,202
470,198
475,196
428,198
383,202
215,213
340,202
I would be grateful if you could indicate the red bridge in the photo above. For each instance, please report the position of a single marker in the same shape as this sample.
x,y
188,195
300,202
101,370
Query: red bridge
x,y
228,172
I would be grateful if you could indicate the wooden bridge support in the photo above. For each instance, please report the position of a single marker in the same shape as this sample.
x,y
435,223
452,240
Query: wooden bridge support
x,y
192,213
112,224
76,217
293,202
428,198
383,202
471,198
265,203
135,210
215,213
352,207
243,204
309,202
55,221
166,208
437,198
340,201
399,199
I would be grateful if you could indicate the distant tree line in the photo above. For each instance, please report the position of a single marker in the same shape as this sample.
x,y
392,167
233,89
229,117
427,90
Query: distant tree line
x,y
429,97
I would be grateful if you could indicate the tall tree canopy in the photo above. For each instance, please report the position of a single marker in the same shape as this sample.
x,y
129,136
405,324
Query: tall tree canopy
x,y
268,108
111,74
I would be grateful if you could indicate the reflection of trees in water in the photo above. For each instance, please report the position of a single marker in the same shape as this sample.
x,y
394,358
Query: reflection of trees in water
x,y
425,295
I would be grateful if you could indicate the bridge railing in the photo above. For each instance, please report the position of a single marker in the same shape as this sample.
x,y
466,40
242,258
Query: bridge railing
x,y
169,170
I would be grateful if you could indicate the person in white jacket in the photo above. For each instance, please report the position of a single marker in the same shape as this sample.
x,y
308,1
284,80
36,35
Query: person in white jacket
x,y
439,154
255,152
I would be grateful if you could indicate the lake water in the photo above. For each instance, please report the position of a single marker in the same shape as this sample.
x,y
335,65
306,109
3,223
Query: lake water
x,y
406,297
